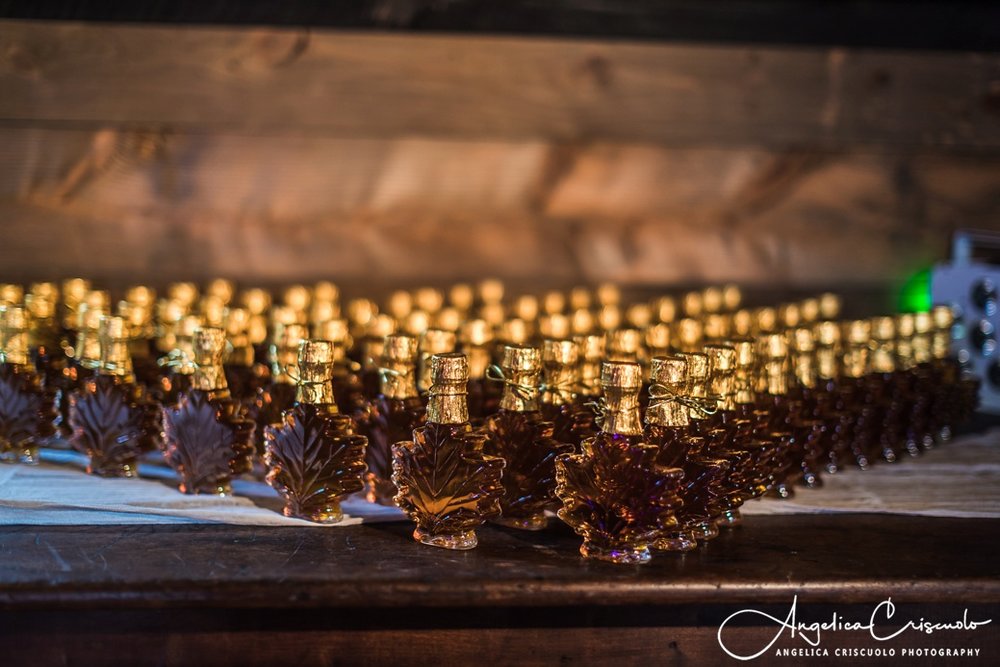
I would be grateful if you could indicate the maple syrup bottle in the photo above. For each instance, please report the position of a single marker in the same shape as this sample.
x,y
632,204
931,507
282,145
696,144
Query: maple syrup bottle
x,y
396,412
314,458
921,431
74,292
84,361
477,343
112,418
244,376
44,335
783,412
908,427
519,435
615,494
804,389
668,416
446,484
28,411
278,394
560,381
206,438
137,309
859,416
881,394
830,406
179,362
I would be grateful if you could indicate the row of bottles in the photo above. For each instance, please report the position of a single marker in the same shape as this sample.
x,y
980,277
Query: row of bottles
x,y
642,439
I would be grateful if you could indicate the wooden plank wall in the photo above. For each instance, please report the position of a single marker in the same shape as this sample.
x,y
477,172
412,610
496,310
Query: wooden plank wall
x,y
158,153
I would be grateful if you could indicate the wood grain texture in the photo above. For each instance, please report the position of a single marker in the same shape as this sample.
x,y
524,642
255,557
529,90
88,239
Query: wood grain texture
x,y
153,206
347,84
828,559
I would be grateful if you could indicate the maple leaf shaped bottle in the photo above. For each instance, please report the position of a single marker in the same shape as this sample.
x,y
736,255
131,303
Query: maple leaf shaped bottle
x,y
28,412
83,362
112,418
446,484
43,337
314,458
207,440
519,435
560,382
615,494
396,412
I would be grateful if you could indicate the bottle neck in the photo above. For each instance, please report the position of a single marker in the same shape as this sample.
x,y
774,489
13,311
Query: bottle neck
x,y
210,377
804,369
315,387
666,410
622,416
88,347
722,386
115,358
447,403
520,391
560,384
826,363
399,379
15,349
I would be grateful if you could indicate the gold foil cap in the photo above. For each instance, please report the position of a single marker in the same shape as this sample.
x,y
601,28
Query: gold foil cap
x,y
449,385
923,323
670,371
664,309
324,290
314,384
11,294
802,340
335,331
732,297
400,304
721,358
743,322
417,322
658,337
638,315
561,352
256,300
905,325
221,289
789,315
475,333
526,307
554,326
490,290
591,347
448,318
621,375
609,317
381,326
183,293
943,317
765,320
829,306
689,334
437,341
827,333
514,331
608,294
98,298
321,311
461,296
857,332
519,358
449,368
560,359
624,345
209,346
716,326
400,348
14,335
711,299
693,304
45,290
428,299
41,306
112,332
773,346
582,321
521,368
579,298
809,310
746,356
553,302
297,297
399,356
883,328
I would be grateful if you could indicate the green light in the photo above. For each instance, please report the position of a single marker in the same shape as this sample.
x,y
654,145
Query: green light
x,y
916,293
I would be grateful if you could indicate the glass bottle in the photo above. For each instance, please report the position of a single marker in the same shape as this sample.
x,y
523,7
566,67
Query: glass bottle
x,y
137,309
859,416
804,389
112,419
615,494
830,405
179,362
447,485
560,382
880,395
28,412
396,412
278,394
44,335
477,343
909,426
518,434
244,376
314,458
783,412
207,440
922,412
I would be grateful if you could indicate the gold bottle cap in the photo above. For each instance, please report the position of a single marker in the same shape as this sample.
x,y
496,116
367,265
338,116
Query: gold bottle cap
x,y
98,298
437,341
556,325
361,311
141,295
809,310
721,358
789,315
75,289
321,311
670,371
827,333
297,297
711,300
591,353
943,317
591,346
658,337
742,322
609,317
693,304
746,356
514,331
14,335
88,318
521,368
46,290
905,325
923,323
664,309
256,300
213,310
490,290
716,326
732,297
188,325
582,322
399,355
11,293
184,293
526,307
857,332
449,385
553,302
336,331
638,315
400,304
448,318
883,328
624,345
417,322
237,321
608,294
802,340
324,290
579,297
461,296
381,326
475,333
400,348
622,375
112,332
284,349
772,346
493,313
221,289
765,320
40,306
560,352
314,384
209,346
428,299
829,306
689,334
520,358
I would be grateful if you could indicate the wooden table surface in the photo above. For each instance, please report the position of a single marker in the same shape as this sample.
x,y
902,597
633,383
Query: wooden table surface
x,y
215,594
